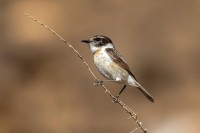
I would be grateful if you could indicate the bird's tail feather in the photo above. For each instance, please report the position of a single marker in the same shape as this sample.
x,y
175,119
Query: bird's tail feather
x,y
145,92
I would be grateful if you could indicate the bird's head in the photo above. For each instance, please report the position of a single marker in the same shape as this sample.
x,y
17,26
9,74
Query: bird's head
x,y
99,42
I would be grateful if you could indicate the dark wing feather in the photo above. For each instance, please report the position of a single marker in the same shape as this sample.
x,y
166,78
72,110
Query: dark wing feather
x,y
117,58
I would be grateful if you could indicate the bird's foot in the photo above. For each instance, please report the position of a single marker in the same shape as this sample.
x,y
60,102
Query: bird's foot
x,y
116,99
98,82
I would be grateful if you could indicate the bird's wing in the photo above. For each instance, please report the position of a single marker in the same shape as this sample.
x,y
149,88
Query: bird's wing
x,y
117,58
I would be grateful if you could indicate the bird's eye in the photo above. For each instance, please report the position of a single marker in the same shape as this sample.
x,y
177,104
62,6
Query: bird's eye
x,y
97,39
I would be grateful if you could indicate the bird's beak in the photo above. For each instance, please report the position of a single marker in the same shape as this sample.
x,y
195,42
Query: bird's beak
x,y
86,41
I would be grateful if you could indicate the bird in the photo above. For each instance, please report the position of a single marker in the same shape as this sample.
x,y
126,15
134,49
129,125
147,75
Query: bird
x,y
112,65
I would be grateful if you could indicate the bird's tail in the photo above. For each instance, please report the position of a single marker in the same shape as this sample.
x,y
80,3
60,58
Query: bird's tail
x,y
145,92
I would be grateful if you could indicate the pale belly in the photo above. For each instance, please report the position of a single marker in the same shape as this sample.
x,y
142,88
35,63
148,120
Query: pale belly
x,y
110,69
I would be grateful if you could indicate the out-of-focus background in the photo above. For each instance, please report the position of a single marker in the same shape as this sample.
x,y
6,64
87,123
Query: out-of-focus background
x,y
45,88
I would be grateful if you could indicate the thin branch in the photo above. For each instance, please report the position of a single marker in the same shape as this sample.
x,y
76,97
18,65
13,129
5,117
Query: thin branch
x,y
132,114
135,130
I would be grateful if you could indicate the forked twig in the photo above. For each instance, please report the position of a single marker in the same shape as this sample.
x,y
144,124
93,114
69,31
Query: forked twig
x,y
132,114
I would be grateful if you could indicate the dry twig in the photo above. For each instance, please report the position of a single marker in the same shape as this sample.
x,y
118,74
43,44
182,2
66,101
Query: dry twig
x,y
132,114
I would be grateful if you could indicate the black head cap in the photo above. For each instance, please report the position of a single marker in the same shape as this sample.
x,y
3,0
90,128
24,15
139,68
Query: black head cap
x,y
98,40
102,39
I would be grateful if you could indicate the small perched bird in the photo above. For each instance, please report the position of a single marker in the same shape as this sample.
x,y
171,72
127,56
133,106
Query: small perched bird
x,y
112,65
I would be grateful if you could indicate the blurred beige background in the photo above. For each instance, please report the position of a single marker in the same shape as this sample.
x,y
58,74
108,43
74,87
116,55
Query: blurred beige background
x,y
45,88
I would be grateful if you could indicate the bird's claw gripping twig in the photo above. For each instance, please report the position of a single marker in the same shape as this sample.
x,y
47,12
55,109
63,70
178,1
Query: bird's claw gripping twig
x,y
98,82
116,99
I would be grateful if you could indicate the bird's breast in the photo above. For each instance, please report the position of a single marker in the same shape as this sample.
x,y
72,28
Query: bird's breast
x,y
103,63
108,68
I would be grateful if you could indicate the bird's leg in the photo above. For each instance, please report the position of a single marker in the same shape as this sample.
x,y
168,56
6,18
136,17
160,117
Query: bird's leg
x,y
122,89
117,97
100,82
